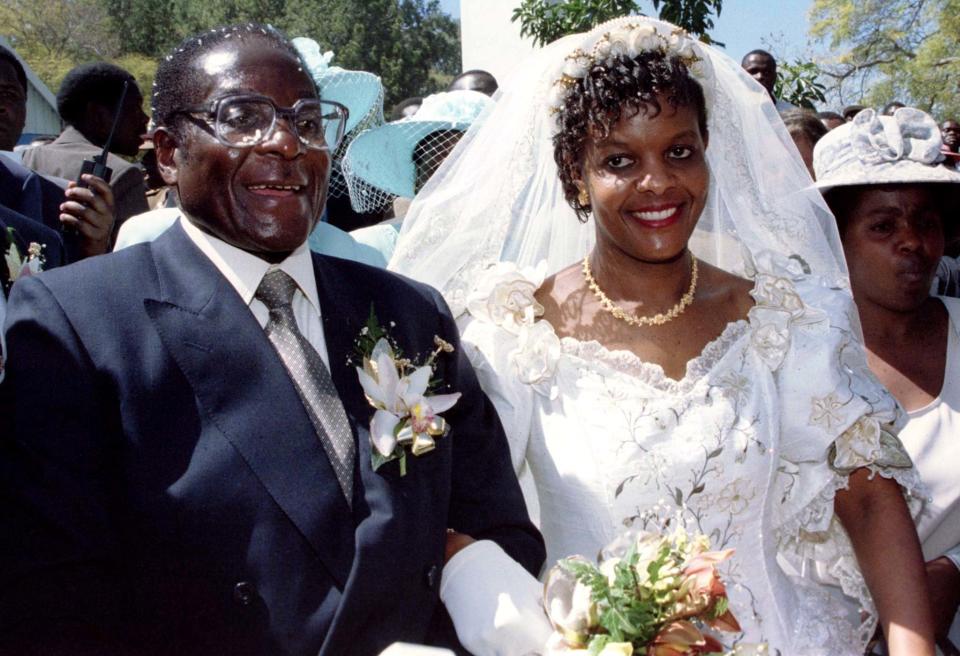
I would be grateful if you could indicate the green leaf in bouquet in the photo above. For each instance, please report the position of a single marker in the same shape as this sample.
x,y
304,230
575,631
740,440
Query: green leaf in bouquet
x,y
597,643
588,574
721,606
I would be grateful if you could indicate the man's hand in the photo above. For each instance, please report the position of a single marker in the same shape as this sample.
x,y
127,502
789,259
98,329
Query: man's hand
x,y
89,212
943,580
455,542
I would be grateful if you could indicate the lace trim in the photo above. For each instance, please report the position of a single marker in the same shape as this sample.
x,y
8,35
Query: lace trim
x,y
652,373
831,545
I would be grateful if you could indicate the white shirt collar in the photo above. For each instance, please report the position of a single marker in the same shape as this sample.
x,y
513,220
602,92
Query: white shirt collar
x,y
244,271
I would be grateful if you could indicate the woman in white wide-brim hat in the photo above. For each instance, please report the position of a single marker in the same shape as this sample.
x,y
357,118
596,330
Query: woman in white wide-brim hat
x,y
693,354
895,203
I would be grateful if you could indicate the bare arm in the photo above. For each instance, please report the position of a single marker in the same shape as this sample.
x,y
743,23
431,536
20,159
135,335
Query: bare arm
x,y
884,539
943,579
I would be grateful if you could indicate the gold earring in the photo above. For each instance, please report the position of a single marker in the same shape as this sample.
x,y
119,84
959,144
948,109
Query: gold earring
x,y
583,198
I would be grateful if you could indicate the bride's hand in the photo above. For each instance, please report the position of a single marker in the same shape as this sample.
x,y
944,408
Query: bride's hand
x,y
455,542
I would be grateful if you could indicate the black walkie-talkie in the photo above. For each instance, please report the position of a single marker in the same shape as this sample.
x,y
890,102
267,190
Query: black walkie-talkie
x,y
98,164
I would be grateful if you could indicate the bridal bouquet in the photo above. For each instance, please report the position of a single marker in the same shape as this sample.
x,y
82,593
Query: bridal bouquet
x,y
650,594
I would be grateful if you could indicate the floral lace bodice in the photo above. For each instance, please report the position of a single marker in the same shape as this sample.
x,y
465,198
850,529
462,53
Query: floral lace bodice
x,y
750,446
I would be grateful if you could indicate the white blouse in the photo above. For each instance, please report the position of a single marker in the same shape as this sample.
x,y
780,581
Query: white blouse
x,y
932,438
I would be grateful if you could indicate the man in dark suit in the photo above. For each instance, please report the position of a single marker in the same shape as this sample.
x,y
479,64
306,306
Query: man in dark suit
x,y
87,102
189,469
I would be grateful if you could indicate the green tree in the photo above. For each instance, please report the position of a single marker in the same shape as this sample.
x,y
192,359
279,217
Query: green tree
x,y
546,20
411,44
798,83
55,35
887,50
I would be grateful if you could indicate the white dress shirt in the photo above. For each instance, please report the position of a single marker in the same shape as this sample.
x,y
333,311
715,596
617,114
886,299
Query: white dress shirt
x,y
244,271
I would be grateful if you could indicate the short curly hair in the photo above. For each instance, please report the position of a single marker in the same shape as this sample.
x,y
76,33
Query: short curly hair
x,y
99,82
606,94
175,83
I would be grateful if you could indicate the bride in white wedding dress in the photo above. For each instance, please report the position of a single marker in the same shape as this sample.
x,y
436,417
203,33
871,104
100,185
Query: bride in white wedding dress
x,y
695,351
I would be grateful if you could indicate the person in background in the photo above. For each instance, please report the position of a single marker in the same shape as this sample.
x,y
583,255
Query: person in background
x,y
891,214
474,80
762,67
86,212
158,193
87,102
831,119
851,110
806,130
394,161
950,131
891,107
406,108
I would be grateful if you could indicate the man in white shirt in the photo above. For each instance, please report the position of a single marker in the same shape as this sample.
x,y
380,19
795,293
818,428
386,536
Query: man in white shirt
x,y
189,464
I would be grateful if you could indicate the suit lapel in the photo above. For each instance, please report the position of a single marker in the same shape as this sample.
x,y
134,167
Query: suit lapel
x,y
383,514
246,393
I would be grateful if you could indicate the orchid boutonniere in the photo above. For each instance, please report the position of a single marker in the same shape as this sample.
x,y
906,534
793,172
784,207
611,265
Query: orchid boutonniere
x,y
18,265
406,416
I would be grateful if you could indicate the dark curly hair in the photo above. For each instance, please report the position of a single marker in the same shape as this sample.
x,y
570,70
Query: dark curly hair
x,y
622,88
175,83
99,82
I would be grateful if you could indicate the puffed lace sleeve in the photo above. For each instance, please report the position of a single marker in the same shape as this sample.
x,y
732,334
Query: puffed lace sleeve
x,y
513,354
835,418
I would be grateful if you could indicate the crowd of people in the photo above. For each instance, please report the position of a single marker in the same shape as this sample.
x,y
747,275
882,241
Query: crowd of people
x,y
638,293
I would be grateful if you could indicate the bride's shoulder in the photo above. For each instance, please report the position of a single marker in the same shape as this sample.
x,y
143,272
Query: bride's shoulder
x,y
727,291
557,290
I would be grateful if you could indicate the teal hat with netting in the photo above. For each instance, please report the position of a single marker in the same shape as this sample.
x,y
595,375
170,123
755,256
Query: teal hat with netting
x,y
359,91
379,163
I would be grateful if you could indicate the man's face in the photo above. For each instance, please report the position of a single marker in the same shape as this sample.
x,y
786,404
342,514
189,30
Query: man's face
x,y
951,135
763,69
264,199
13,106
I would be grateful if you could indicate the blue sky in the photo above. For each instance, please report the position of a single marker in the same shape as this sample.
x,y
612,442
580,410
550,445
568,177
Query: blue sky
x,y
777,25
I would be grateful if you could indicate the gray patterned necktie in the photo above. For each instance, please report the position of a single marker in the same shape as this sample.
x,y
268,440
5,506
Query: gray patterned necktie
x,y
310,376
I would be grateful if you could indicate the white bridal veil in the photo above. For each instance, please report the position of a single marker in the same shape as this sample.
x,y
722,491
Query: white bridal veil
x,y
498,196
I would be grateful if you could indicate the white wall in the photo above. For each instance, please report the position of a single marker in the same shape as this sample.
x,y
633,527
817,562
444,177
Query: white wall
x,y
489,41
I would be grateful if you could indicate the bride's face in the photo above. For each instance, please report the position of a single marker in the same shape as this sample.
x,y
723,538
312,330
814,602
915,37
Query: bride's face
x,y
648,182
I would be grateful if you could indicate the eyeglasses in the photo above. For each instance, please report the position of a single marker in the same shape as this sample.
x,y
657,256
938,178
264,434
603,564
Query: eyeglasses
x,y
243,121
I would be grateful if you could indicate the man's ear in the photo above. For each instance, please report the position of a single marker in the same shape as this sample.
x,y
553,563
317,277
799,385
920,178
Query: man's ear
x,y
165,143
96,121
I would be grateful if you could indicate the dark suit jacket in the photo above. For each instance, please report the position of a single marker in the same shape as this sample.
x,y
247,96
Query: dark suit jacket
x,y
64,156
30,194
165,487
27,230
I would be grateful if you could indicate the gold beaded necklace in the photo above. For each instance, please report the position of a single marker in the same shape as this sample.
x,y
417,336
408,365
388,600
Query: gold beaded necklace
x,y
657,319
